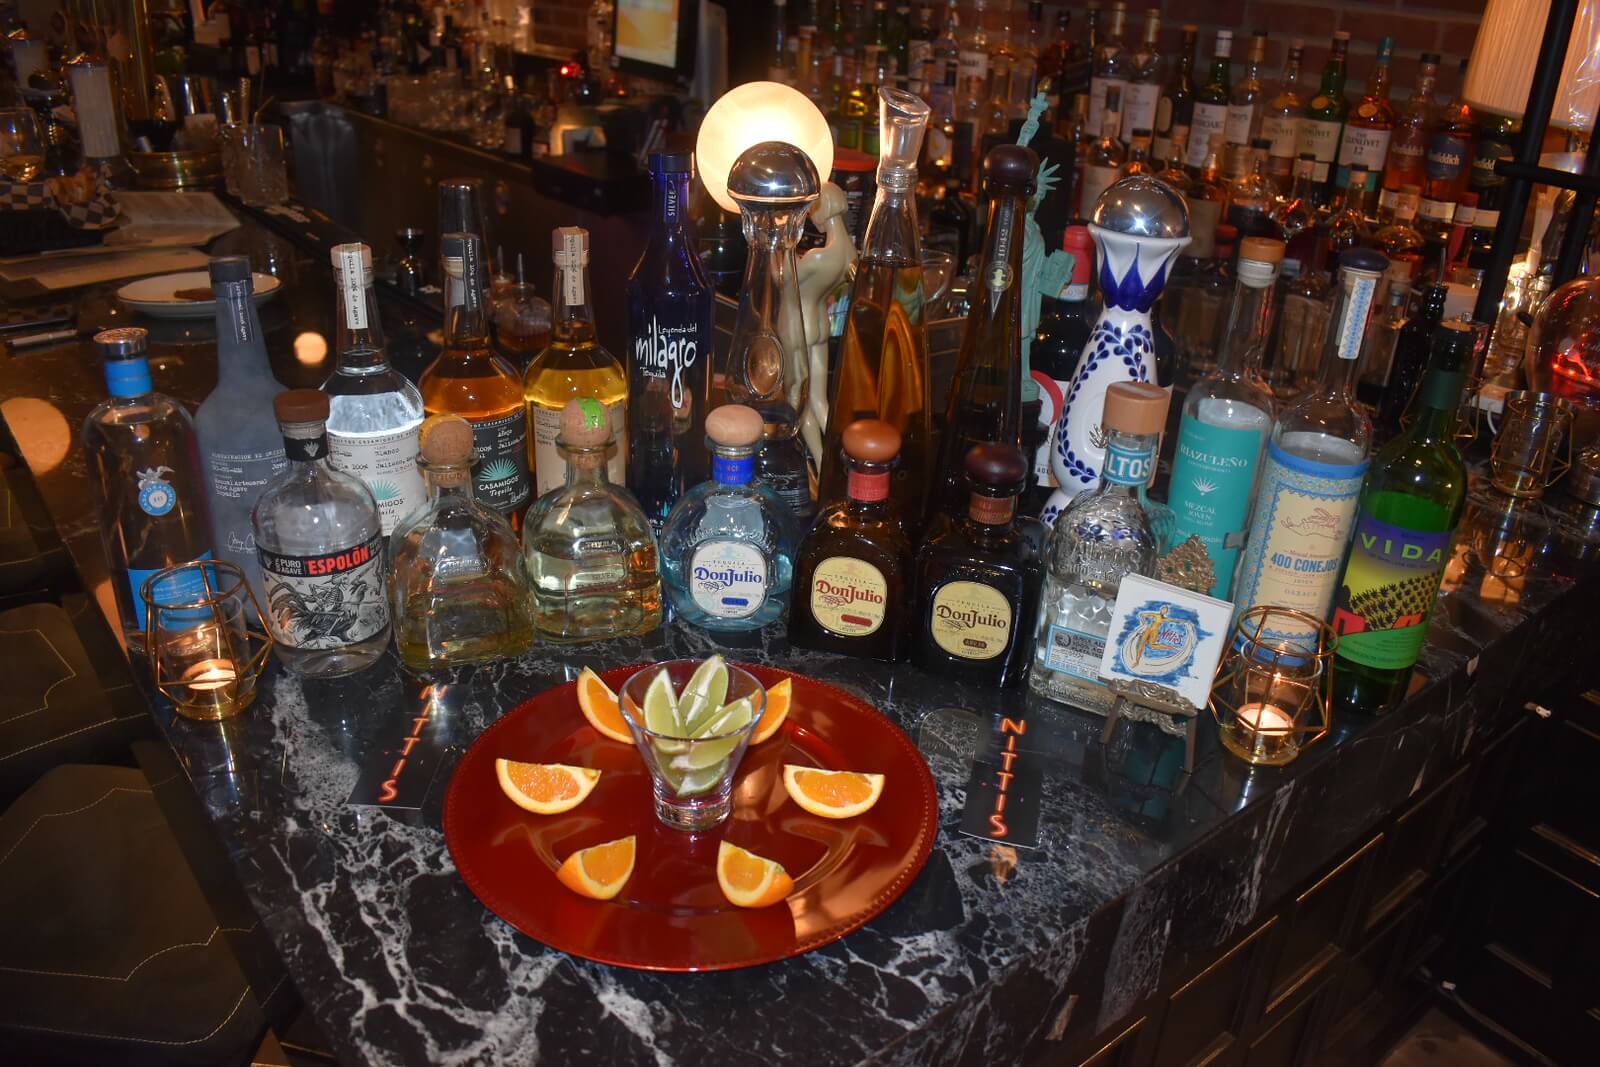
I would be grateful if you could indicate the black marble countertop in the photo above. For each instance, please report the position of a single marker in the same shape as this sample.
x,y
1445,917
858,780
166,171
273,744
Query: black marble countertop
x,y
994,954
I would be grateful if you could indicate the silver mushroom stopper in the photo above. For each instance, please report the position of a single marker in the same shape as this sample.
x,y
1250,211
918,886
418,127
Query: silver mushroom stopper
x,y
1143,207
773,173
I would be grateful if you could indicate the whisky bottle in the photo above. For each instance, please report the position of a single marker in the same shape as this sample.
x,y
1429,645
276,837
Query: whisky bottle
x,y
574,365
1323,123
853,570
470,380
977,580
1247,101
1408,147
1497,135
1141,98
1280,122
1211,103
1102,165
1175,111
1367,131
1111,65
1447,164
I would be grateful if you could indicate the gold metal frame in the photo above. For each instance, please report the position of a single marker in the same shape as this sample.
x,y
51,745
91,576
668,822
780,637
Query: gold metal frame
x,y
198,696
1303,667
1549,468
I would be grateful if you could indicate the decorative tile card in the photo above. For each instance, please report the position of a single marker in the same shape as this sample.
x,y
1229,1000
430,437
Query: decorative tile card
x,y
1166,636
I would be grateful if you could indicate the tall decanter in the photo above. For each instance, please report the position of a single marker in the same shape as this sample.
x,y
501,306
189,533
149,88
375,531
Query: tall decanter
x,y
883,364
1311,478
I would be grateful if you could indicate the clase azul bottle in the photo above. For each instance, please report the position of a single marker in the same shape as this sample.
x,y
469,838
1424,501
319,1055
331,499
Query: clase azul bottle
x,y
727,555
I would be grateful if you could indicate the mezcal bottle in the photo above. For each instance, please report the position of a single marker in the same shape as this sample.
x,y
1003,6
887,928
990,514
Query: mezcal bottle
x,y
1311,478
1409,509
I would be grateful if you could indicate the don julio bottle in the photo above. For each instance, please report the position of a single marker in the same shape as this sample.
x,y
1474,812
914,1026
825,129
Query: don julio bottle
x,y
669,345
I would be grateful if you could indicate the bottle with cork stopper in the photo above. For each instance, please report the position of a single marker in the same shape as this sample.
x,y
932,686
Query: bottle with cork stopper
x,y
591,556
978,578
456,579
319,540
853,571
727,551
1104,534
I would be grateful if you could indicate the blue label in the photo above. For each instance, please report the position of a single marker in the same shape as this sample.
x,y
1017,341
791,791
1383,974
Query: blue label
x,y
1213,474
733,470
128,377
182,588
1129,466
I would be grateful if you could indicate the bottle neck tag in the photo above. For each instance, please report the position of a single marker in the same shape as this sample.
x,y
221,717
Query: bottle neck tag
x,y
733,470
869,487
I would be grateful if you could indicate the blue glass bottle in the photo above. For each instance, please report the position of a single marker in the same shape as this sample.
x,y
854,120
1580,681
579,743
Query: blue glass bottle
x,y
727,552
669,349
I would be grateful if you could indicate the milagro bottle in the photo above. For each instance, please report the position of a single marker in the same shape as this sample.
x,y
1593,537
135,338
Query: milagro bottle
x,y
144,466
669,349
1226,419
240,443
374,412
1311,478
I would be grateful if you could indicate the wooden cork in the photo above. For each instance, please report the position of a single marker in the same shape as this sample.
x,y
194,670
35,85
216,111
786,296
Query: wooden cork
x,y
586,429
446,445
734,426
871,440
297,406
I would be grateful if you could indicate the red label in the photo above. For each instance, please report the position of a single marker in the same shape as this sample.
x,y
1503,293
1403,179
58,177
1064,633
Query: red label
x,y
868,488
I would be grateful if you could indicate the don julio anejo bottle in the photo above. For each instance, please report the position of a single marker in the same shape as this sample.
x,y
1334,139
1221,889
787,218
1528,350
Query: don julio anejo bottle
x,y
1409,509
459,591
590,554
321,547
978,580
144,466
853,572
727,554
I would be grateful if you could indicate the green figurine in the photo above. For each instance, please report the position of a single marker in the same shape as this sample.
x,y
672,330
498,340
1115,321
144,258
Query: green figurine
x,y
1042,274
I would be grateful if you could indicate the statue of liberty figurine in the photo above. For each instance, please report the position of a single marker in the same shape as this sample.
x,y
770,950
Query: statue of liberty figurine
x,y
1042,274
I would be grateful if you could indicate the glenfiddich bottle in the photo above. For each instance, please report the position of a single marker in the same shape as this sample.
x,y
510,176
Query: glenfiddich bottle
x,y
853,571
978,580
1410,505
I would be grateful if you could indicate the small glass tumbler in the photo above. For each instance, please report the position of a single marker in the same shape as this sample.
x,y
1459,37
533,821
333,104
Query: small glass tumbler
x,y
254,165
691,778
205,638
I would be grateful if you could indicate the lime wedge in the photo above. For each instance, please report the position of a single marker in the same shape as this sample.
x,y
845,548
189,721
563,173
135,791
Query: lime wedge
x,y
694,782
704,694
661,708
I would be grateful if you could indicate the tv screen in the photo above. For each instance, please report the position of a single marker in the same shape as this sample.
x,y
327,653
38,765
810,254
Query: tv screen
x,y
647,32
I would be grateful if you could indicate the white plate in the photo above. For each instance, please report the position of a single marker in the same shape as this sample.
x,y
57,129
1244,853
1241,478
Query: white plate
x,y
157,297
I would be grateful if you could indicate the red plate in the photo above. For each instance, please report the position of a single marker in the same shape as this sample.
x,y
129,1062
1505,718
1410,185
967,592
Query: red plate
x,y
672,916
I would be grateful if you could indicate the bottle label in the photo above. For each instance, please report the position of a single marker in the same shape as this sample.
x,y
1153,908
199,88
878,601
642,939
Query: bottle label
x,y
1204,215
1284,133
1208,119
728,579
551,467
849,597
1163,124
1367,147
1240,118
1446,155
156,495
1438,210
570,262
869,487
1484,159
1389,589
184,587
970,620
1075,652
1304,511
1321,139
500,479
975,64
1097,100
1213,474
387,463
328,600
513,142
666,353
242,475
1129,466
1140,102
352,286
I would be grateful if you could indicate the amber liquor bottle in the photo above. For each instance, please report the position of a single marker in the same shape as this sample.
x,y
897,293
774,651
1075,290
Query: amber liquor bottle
x,y
853,572
978,580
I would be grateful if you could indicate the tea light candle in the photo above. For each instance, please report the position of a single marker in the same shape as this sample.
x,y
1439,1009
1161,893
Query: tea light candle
x,y
1266,719
210,674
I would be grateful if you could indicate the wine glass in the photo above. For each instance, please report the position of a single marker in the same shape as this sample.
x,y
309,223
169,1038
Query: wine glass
x,y
21,145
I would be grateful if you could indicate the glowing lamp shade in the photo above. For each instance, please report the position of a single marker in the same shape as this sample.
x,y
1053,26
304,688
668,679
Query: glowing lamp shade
x,y
752,113
1507,49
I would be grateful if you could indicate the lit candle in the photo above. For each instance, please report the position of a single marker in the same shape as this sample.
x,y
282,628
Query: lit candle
x,y
1266,719
210,674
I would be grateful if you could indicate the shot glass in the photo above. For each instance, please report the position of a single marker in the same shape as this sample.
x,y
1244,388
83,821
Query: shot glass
x,y
691,778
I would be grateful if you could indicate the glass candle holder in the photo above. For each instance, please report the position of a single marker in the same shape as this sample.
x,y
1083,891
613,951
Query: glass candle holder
x,y
206,641
1271,695
1528,456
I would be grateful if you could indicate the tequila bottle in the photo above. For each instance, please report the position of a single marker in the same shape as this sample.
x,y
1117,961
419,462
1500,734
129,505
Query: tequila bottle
x,y
853,571
1063,331
144,467
1280,121
727,554
978,580
1226,419
1367,131
669,332
456,580
587,545
1311,478
374,411
1175,111
1104,534
574,365
320,542
1210,122
1141,98
1112,65
1323,123
1247,102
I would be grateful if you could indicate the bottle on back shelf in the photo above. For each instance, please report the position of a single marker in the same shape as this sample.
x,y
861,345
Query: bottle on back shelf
x,y
1141,99
1248,100
1367,131
1280,120
1408,147
1211,103
1400,241
1252,196
1447,163
1497,135
1103,163
1112,66
1409,360
1323,123
1175,110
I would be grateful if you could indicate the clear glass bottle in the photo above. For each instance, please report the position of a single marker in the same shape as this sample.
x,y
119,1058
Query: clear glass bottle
x,y
1346,226
458,588
1105,533
972,99
240,443
1296,214
144,469
1112,65
1409,359
1251,195
1280,120
1103,164
1248,100
320,542
575,364
1210,122
1400,241
727,554
591,557
374,411
1141,99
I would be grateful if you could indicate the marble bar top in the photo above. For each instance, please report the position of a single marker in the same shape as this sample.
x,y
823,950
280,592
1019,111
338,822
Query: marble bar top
x,y
994,954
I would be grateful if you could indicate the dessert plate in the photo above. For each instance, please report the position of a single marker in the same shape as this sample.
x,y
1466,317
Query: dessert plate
x,y
179,296
671,915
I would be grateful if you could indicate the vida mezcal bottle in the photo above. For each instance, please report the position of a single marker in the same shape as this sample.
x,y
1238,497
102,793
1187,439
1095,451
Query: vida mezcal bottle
x,y
669,341
1409,509
1226,419
1311,478
144,466
374,412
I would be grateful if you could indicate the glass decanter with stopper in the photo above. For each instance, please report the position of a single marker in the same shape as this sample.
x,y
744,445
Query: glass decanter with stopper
x,y
727,554
459,591
883,364
1105,533
590,553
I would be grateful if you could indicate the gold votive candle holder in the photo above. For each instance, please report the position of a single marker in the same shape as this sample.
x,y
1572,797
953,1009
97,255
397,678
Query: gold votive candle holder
x,y
1272,692
1533,448
205,638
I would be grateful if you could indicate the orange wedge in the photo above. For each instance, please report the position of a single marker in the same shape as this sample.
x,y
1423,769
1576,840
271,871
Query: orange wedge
x,y
545,788
778,697
599,706
749,880
599,871
832,794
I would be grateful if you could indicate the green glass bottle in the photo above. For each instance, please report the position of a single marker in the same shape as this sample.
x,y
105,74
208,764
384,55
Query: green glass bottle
x,y
1210,116
1321,129
1410,505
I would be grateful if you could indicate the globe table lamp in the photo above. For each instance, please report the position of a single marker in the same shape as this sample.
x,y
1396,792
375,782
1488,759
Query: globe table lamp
x,y
750,114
